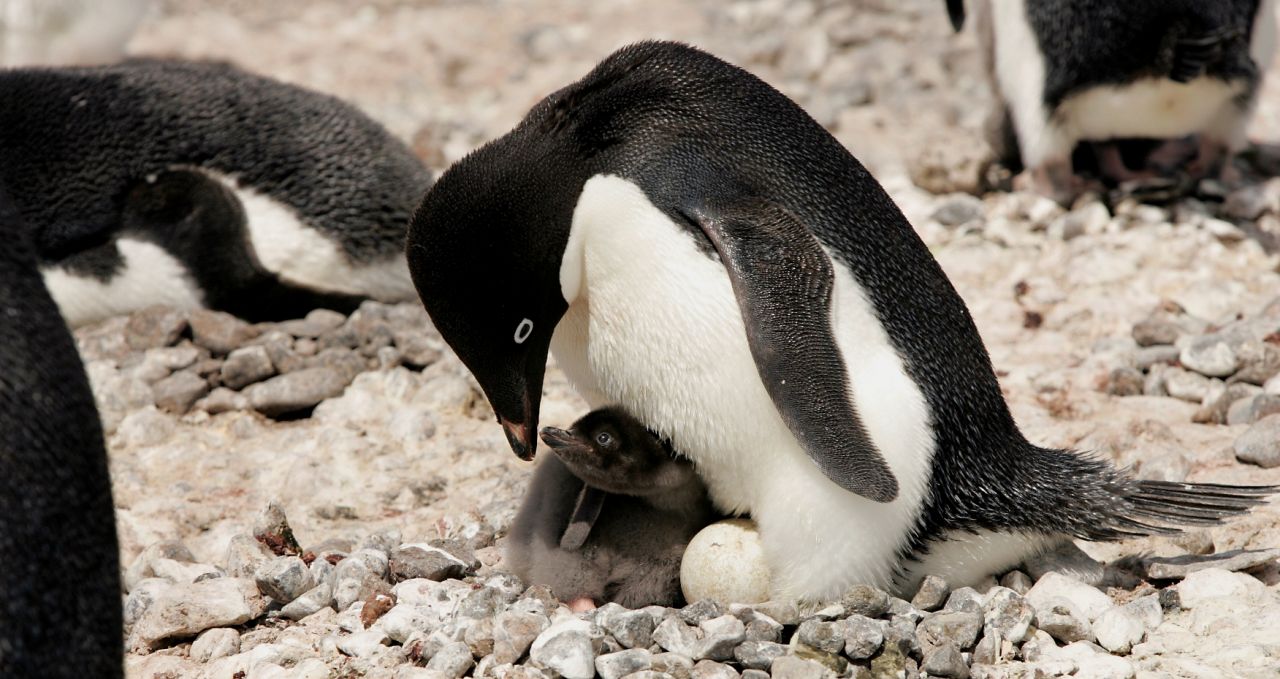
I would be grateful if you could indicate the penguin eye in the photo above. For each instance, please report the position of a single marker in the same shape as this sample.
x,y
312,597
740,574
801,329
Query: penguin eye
x,y
523,330
605,439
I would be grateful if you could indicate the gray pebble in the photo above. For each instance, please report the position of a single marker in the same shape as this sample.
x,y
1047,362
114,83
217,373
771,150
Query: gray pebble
x,y
1155,332
932,593
791,667
220,333
1185,385
958,209
425,561
454,660
311,601
1260,444
945,661
1017,581
1259,362
1118,629
1211,356
1125,381
964,599
365,644
1008,615
863,637
764,628
622,663
156,326
710,669
568,647
632,629
823,636
246,365
755,674
222,400
719,637
758,655
865,600
283,579
295,391
674,664
958,627
215,643
513,633
706,609
675,636
244,555
1250,410
179,391
1064,622
1146,357
1218,410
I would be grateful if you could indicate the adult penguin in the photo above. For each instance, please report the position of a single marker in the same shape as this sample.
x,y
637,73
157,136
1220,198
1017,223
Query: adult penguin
x,y
60,594
695,248
217,165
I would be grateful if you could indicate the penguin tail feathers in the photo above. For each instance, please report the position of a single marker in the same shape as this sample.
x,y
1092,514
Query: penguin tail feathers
x,y
955,12
1165,507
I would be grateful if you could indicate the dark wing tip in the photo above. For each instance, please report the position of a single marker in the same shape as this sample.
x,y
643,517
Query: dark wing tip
x,y
955,12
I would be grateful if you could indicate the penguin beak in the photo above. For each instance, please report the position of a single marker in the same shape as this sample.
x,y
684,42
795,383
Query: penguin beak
x,y
520,436
557,438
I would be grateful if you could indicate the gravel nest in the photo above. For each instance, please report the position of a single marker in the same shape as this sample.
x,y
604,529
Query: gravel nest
x,y
374,439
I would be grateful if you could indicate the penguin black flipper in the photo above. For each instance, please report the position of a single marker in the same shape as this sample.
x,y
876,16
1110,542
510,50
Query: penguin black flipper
x,y
955,12
783,281
585,512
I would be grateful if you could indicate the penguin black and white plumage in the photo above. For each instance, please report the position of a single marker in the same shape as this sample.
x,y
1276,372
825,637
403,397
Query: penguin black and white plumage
x,y
1182,72
695,248
325,192
60,610
608,516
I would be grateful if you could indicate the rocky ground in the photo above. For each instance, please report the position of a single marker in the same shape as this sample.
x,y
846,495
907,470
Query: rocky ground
x,y
1145,334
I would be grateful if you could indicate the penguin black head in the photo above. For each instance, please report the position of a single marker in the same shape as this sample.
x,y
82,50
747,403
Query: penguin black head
x,y
610,450
486,244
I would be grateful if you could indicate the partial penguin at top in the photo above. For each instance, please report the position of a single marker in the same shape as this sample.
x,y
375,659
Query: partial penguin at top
x,y
696,249
60,597
198,184
1155,89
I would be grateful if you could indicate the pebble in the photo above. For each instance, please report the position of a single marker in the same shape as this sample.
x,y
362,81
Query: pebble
x,y
699,611
932,593
720,636
945,661
1260,444
863,636
791,667
364,644
184,610
1008,615
1087,600
454,660
957,627
219,332
212,644
179,391
1219,410
632,629
865,600
246,365
1210,356
311,601
1203,586
296,391
710,669
622,663
1146,357
1063,621
514,631
959,209
1118,629
758,655
1125,381
283,579
1017,581
569,648
964,599
1186,385
156,326
426,561
675,636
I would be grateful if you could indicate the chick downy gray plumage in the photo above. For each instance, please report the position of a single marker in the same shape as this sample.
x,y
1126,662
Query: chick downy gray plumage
x,y
608,516
324,193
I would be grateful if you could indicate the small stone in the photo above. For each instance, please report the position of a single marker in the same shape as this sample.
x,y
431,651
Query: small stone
x,y
1259,362
1118,630
725,562
964,599
675,636
179,391
1213,583
296,391
758,655
1247,203
426,561
719,637
1260,444
375,607
710,669
143,565
932,593
958,209
222,400
1211,356
244,555
865,600
187,610
453,659
1063,621
1103,666
1218,410
221,333
355,581
862,637
362,644
271,528
945,661
1125,381
764,628
1186,385
823,636
246,365
311,601
155,326
1088,600
478,635
782,612
1155,332
399,623
632,629
791,667
283,579
672,664
568,647
316,323
1250,410
622,663
514,632
1148,610
1017,581
1146,357
212,644
699,611
1008,615
957,627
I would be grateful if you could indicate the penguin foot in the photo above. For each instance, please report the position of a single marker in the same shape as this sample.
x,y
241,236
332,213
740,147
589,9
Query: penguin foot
x,y
1056,180
581,604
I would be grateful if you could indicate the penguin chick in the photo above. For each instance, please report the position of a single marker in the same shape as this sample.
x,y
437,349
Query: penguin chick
x,y
608,516
1067,72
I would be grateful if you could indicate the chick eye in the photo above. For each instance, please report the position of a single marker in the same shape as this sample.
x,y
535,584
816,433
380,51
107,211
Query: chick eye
x,y
604,438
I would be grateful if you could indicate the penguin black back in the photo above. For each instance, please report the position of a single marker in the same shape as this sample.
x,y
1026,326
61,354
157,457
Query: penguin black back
x,y
72,141
60,595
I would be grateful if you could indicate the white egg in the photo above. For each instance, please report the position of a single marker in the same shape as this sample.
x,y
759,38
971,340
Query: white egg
x,y
725,562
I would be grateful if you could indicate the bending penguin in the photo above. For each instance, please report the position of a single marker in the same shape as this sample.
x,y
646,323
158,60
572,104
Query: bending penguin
x,y
300,189
608,516
60,595
1182,73
696,249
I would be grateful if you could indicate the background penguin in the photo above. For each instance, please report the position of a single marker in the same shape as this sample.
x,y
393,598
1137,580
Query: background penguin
x,y
698,250
1071,71
607,518
325,193
60,595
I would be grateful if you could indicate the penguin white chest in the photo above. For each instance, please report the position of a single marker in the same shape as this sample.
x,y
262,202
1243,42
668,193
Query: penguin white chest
x,y
654,326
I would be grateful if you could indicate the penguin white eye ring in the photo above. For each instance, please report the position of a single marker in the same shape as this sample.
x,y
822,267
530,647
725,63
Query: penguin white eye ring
x,y
523,330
